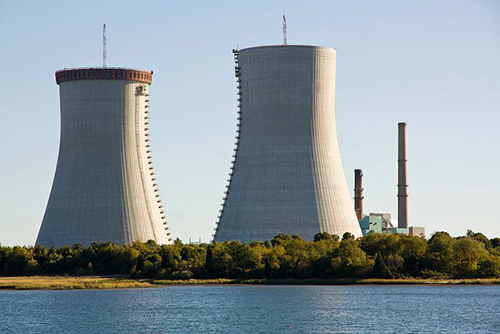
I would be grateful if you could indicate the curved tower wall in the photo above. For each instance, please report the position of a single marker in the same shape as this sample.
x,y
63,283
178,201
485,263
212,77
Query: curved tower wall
x,y
104,187
287,175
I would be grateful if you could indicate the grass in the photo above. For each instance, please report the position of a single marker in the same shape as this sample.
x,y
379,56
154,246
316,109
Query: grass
x,y
97,282
69,283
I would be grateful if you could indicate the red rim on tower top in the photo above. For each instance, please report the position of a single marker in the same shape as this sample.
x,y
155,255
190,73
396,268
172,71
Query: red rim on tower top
x,y
99,73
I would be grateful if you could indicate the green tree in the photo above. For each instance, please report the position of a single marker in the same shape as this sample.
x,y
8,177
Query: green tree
x,y
209,260
495,242
380,269
480,237
325,236
352,260
348,236
490,267
227,263
468,253
374,243
285,256
440,254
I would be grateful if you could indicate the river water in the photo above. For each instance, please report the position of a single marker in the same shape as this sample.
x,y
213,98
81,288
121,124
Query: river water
x,y
255,309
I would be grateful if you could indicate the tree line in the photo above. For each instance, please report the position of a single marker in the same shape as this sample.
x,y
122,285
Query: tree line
x,y
285,256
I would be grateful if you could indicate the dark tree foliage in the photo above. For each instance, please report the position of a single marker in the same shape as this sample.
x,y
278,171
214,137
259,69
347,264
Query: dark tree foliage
x,y
380,269
325,236
285,256
480,237
347,236
209,259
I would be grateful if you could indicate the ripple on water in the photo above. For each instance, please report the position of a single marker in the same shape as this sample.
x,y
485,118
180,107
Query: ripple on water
x,y
255,309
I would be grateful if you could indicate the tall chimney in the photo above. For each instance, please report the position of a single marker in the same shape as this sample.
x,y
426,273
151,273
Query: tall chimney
x,y
402,178
358,193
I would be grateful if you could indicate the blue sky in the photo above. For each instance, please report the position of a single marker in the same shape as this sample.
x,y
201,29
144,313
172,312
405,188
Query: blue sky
x,y
432,64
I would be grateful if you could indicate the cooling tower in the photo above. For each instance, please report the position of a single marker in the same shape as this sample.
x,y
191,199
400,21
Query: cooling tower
x,y
104,188
286,175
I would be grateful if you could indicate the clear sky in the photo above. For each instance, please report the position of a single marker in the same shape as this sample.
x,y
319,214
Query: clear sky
x,y
432,64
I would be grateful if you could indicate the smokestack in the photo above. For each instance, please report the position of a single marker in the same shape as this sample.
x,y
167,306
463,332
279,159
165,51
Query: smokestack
x,y
358,193
402,178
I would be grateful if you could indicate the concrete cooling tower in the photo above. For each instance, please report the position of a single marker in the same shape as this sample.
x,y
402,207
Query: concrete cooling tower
x,y
286,175
104,188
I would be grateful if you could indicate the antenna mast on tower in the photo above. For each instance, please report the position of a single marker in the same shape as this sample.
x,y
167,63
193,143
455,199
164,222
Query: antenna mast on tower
x,y
104,46
284,30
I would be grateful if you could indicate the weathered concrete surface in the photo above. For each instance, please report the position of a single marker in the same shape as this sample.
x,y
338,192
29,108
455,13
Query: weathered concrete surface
x,y
287,175
104,187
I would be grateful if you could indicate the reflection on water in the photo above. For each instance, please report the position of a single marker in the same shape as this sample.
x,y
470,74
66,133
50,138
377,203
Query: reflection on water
x,y
255,309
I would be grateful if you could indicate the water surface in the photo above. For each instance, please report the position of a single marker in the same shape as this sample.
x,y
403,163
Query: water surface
x,y
255,309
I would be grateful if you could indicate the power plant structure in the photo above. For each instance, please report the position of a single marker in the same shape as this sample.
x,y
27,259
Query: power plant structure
x,y
358,193
104,187
382,222
402,178
286,173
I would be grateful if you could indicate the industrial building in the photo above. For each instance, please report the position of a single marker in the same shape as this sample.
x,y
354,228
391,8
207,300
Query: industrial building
x,y
382,222
104,187
286,174
417,231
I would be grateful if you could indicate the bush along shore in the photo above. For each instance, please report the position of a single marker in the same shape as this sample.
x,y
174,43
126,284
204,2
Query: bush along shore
x,y
99,282
372,259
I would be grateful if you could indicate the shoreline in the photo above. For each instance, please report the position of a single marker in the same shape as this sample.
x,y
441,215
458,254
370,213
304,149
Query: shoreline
x,y
102,282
